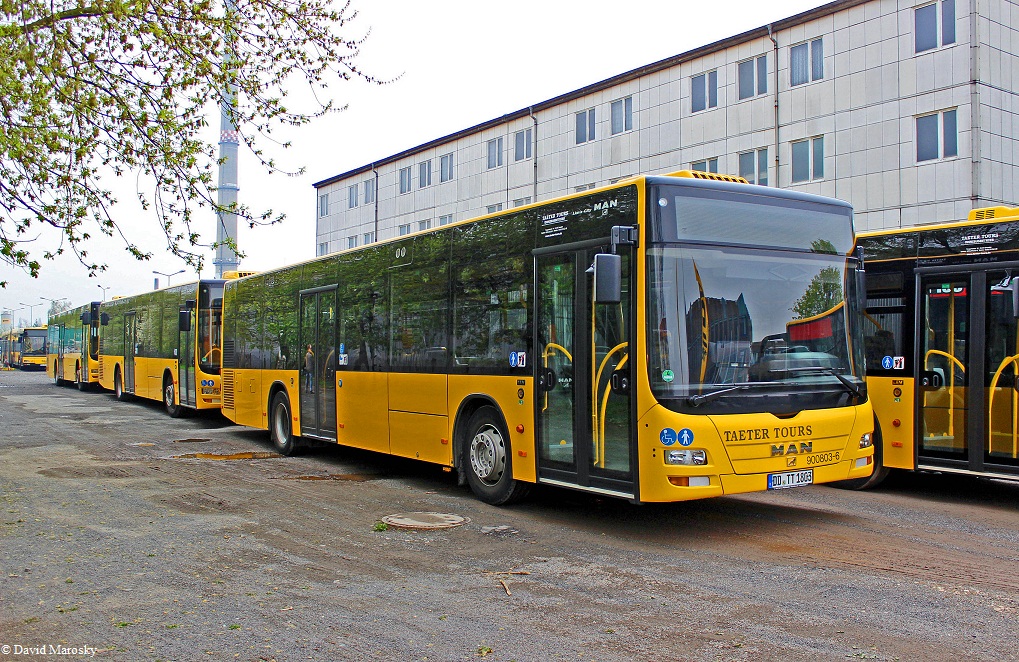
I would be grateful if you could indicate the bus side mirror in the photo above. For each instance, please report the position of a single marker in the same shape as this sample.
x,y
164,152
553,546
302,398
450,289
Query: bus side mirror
x,y
104,319
184,319
608,276
86,318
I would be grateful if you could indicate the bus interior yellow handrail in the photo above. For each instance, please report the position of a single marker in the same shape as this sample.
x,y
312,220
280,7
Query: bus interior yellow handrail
x,y
604,409
951,385
1014,361
596,415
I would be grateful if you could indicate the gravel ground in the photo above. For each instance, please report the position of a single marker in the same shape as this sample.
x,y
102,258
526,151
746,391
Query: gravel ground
x,y
143,537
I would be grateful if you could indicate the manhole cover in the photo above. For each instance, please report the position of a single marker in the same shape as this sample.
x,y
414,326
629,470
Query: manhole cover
x,y
424,520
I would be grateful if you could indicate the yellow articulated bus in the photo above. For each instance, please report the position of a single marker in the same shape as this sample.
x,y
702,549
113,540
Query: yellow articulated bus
x,y
72,352
942,345
31,353
164,345
631,341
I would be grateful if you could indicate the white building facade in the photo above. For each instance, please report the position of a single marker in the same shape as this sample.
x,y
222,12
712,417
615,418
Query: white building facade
x,y
907,110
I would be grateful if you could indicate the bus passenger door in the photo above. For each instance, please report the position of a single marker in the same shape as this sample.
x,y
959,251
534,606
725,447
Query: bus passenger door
x,y
130,349
318,372
187,329
583,364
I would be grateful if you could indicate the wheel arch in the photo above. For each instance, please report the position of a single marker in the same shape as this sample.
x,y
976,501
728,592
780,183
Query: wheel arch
x,y
276,387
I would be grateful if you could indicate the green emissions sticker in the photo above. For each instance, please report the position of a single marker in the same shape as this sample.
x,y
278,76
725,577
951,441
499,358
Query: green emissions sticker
x,y
667,375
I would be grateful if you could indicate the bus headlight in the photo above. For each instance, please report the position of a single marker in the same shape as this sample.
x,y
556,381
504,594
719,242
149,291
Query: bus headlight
x,y
686,457
866,441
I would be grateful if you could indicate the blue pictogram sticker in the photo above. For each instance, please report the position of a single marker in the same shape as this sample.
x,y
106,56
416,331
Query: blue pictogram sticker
x,y
685,437
668,437
887,363
513,359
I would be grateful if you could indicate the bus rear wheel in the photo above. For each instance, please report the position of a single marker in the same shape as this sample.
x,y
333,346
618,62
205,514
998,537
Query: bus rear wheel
x,y
56,376
118,387
280,429
487,459
82,385
170,397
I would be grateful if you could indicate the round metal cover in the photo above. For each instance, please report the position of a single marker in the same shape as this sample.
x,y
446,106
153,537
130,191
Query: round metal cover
x,y
424,520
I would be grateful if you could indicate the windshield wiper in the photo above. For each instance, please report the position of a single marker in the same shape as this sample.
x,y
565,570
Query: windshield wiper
x,y
849,386
697,400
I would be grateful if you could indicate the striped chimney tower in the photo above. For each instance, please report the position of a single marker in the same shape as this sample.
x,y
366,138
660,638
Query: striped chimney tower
x,y
226,221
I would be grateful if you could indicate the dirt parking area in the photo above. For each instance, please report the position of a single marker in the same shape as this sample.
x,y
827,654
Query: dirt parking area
x,y
127,535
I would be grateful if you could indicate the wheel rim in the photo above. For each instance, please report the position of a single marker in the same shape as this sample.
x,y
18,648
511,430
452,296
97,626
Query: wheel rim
x,y
280,424
168,394
488,455
118,387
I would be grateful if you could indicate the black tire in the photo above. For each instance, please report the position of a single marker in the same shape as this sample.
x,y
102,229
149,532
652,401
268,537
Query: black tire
x,y
170,397
488,459
880,470
56,380
118,387
82,386
281,429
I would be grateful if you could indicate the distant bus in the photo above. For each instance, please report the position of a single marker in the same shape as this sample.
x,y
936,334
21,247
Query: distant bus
x,y
164,345
73,346
8,346
638,341
941,342
31,353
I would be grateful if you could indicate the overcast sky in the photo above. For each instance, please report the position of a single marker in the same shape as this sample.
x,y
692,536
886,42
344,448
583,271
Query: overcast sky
x,y
456,63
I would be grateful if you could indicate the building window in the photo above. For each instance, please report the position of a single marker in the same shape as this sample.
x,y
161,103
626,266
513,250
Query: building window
x,y
446,219
369,191
323,205
937,136
707,165
425,173
495,152
405,177
808,159
520,202
323,248
352,196
927,28
446,167
806,62
753,77
703,91
522,144
622,115
369,237
405,229
585,126
424,225
583,187
352,241
494,208
753,166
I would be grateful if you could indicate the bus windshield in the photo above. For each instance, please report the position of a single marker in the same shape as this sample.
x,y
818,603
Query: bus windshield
x,y
735,330
33,342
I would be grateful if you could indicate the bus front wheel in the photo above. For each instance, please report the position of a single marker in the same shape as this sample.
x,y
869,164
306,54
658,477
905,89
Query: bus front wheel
x,y
280,429
488,461
170,397
118,387
82,385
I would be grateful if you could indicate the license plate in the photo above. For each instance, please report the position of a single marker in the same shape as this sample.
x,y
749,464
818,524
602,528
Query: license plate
x,y
790,479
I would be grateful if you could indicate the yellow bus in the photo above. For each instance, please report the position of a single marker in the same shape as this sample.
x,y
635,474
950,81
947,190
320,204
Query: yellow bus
x,y
942,345
31,348
8,345
164,345
72,352
629,341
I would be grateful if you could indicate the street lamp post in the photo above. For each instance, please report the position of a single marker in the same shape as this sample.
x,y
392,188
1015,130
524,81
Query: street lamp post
x,y
160,273
104,290
31,307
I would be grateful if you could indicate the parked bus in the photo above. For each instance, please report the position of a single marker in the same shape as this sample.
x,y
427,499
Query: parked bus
x,y
609,341
8,345
164,345
31,354
73,346
942,345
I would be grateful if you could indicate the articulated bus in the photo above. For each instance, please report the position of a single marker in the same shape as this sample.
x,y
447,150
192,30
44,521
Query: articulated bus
x,y
631,341
942,345
31,353
164,345
73,346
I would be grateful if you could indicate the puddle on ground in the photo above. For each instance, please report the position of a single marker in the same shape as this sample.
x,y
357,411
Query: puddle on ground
x,y
190,441
142,444
254,455
357,478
